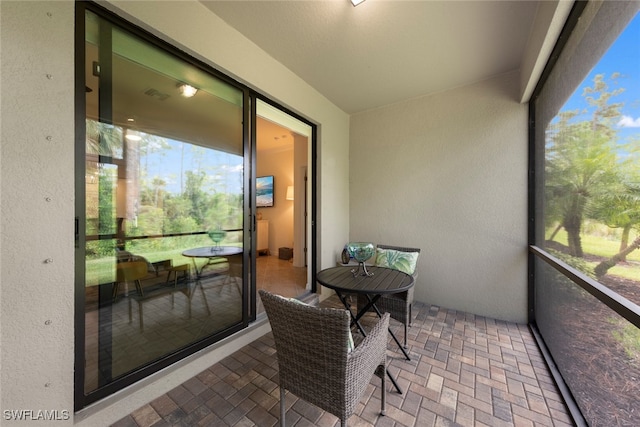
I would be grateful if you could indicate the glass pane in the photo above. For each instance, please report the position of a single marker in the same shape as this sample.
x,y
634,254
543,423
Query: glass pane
x,y
164,177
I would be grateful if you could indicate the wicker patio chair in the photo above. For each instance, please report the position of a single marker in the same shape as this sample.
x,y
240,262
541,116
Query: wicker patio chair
x,y
314,360
397,305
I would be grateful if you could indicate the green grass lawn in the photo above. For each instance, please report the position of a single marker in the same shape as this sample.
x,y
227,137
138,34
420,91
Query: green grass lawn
x,y
606,247
600,246
102,270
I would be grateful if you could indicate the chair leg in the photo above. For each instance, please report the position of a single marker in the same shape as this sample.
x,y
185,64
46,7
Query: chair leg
x,y
383,397
282,412
405,335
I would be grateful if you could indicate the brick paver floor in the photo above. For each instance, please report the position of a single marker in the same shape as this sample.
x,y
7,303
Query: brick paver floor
x,y
465,370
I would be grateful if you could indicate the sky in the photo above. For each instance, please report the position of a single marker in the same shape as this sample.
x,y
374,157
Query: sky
x,y
222,168
623,57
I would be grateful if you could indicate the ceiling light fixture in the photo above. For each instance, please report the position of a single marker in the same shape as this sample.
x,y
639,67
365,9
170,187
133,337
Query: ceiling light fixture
x,y
133,135
186,90
356,2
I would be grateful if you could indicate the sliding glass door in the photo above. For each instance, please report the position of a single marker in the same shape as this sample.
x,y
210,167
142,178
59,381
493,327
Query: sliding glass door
x,y
163,209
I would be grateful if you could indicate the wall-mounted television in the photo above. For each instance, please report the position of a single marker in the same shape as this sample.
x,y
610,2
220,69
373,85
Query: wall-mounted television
x,y
264,191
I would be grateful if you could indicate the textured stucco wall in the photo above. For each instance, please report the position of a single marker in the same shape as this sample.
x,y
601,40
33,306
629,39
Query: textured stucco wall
x,y
448,173
37,207
37,190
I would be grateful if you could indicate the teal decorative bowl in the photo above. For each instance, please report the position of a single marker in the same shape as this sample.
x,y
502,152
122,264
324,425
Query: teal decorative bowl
x,y
217,236
361,251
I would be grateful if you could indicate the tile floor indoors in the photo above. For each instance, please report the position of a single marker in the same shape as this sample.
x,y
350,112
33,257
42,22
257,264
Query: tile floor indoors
x,y
465,370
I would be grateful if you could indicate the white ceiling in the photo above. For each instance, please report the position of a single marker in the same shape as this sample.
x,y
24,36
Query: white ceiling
x,y
385,51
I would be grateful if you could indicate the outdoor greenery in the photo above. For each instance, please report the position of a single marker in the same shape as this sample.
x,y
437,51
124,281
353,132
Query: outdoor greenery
x,y
153,219
592,195
575,262
598,245
592,175
629,337
201,203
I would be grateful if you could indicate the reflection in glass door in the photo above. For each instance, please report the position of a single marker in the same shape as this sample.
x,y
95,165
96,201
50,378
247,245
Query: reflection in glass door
x,y
163,199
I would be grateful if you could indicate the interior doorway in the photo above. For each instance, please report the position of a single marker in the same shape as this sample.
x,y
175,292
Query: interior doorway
x,y
283,147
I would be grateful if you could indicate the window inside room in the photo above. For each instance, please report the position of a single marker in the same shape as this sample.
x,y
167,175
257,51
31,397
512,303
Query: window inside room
x,y
587,212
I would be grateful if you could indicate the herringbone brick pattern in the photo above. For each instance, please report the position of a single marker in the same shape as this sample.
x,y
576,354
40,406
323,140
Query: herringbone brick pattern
x,y
465,370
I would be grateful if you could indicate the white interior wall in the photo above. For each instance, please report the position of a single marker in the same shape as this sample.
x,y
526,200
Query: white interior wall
x,y
448,173
37,191
278,163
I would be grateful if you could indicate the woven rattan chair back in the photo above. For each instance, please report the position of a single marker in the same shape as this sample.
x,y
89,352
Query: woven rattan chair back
x,y
397,305
313,358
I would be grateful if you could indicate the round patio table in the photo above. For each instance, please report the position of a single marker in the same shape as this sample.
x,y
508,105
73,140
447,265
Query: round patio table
x,y
345,281
214,255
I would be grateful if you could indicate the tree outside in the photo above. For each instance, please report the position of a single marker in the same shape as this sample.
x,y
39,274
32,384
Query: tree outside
x,y
156,197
